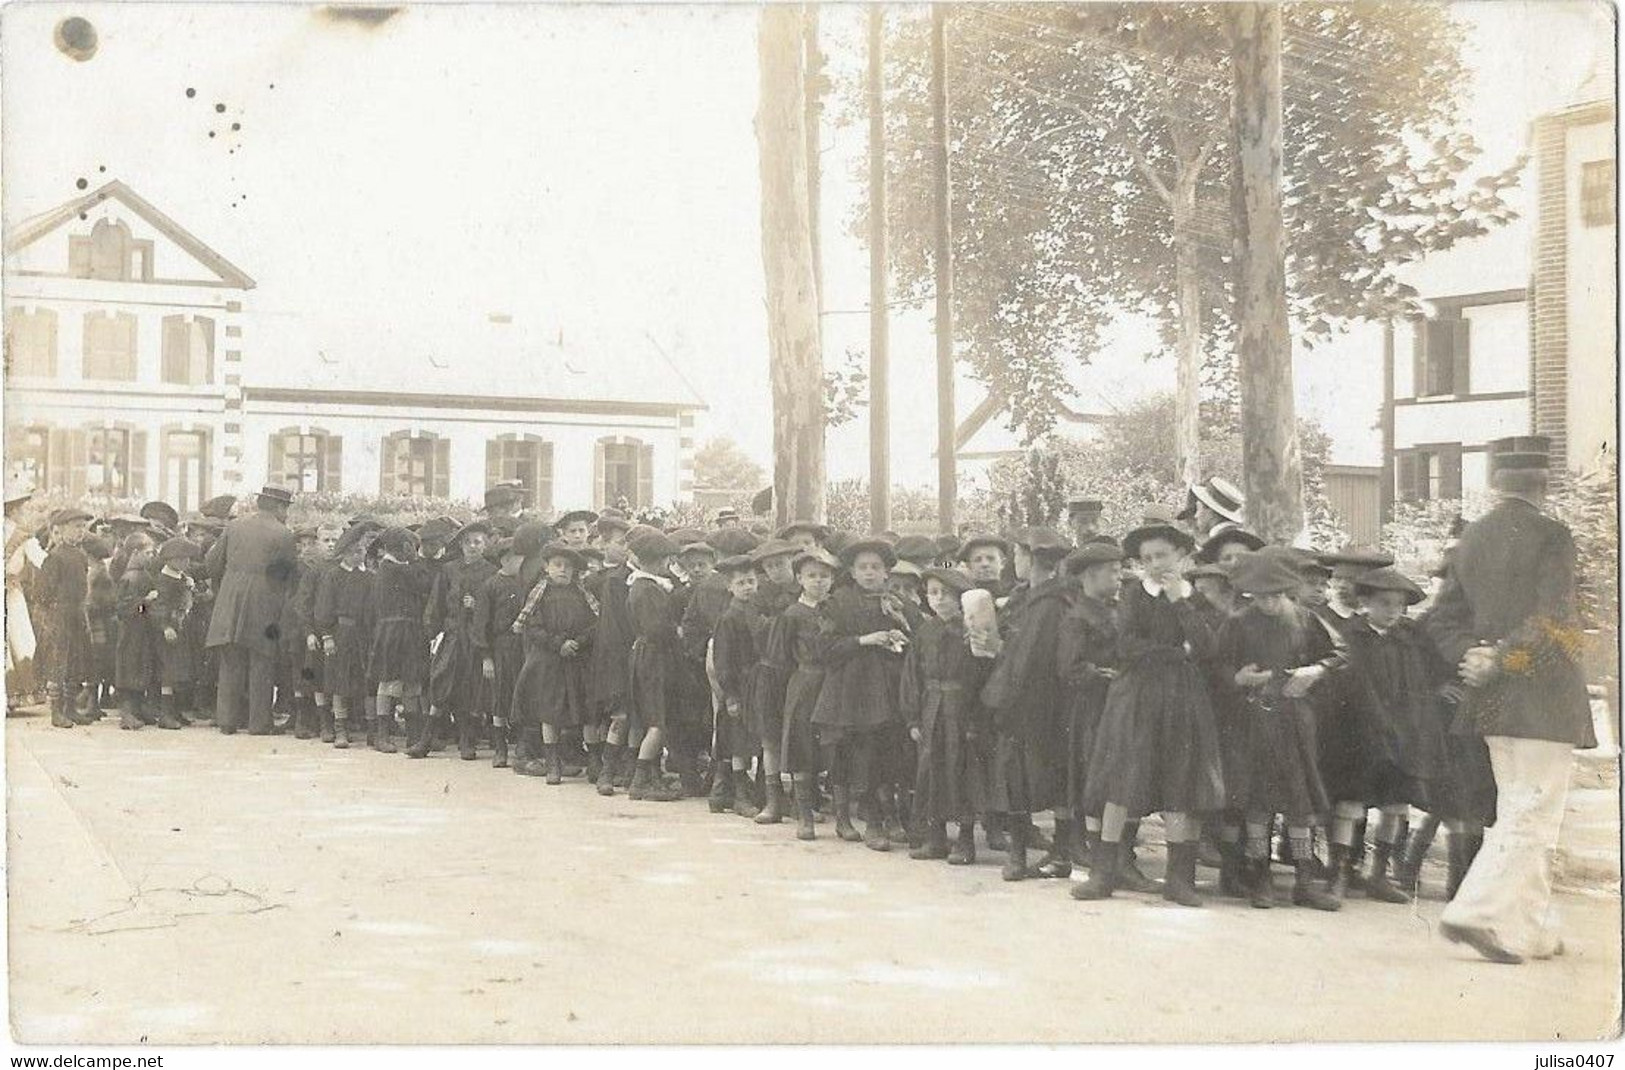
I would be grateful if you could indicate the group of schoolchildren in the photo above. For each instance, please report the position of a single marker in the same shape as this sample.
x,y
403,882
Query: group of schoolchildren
x,y
1263,700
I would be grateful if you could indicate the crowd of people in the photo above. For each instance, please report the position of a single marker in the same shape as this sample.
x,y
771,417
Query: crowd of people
x,y
1273,705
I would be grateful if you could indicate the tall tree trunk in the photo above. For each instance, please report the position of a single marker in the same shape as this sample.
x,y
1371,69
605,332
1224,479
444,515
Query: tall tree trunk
x,y
879,341
812,76
794,351
1269,444
947,447
1188,281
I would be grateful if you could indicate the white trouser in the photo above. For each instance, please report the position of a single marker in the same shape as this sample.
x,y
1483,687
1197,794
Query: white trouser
x,y
1509,887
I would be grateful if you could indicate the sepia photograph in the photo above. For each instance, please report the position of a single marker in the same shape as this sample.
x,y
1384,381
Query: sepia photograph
x,y
734,525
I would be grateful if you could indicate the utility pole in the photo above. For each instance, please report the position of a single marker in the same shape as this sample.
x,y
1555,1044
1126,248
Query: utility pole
x,y
946,475
1269,443
879,357
795,363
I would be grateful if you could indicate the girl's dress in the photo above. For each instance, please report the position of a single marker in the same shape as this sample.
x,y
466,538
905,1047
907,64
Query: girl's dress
x,y
939,697
400,650
797,643
496,607
552,688
343,613
1086,645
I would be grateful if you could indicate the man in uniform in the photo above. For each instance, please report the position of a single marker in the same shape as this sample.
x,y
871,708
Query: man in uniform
x,y
1506,617
252,567
502,507
1083,519
1212,504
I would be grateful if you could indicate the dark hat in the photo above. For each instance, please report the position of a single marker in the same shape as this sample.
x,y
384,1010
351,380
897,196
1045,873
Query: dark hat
x,y
1099,537
1353,559
473,527
1520,453
1084,507
1256,572
592,553
649,545
918,548
161,513
736,563
818,556
1388,578
97,548
212,524
584,516
281,495
1218,494
982,538
498,549
907,568
1046,541
731,541
128,522
1207,569
353,534
951,578
569,553
1223,536
872,545
178,550
835,540
773,548
819,531
1157,523
69,515
437,529
396,540
507,490
696,546
1090,553
727,514
530,537
947,545
612,519
219,507
304,531
683,536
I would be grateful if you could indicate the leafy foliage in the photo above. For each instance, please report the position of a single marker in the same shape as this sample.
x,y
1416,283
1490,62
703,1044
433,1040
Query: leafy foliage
x,y
1074,126
845,390
721,464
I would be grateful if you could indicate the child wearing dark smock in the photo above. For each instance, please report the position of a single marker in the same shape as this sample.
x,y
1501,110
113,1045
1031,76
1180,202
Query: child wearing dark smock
x,y
651,686
58,609
101,617
457,687
1277,653
168,613
858,702
398,658
136,669
740,634
501,651
795,649
556,626
343,619
1157,747
940,703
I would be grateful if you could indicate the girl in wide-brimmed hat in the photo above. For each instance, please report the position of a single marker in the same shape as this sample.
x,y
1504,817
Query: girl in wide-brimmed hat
x,y
1157,746
343,619
558,621
1271,657
795,651
397,658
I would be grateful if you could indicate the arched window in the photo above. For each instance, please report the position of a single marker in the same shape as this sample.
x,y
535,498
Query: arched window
x,y
188,350
527,458
623,468
110,346
306,460
31,342
415,463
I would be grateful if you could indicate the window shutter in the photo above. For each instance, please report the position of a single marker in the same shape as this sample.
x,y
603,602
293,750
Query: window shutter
x,y
176,340
442,468
276,459
1460,353
544,476
1419,368
50,341
1405,469
333,464
1450,472
598,476
493,461
79,257
78,454
386,465
138,464
646,476
58,460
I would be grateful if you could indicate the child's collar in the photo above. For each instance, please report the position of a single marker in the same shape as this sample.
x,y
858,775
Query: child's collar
x,y
165,571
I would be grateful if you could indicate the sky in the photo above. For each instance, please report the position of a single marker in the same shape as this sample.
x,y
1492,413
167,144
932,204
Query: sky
x,y
573,167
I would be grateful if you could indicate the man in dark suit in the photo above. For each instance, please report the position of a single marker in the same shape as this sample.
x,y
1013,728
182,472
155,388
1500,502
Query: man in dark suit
x,y
253,565
1506,616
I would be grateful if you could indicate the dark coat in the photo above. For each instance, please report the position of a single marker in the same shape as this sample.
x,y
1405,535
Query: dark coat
x,y
939,698
860,682
136,667
496,607
253,568
343,613
736,648
612,645
552,688
1025,695
1511,586
57,605
652,695
1087,644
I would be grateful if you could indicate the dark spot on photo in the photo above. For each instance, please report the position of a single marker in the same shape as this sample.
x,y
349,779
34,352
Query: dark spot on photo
x,y
220,108
83,216
236,126
211,133
102,169
358,15
82,184
75,38
273,632
191,93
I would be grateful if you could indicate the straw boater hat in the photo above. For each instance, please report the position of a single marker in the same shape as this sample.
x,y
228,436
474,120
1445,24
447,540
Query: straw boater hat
x,y
1157,523
1387,578
1258,573
819,556
280,495
1219,495
1224,535
1352,560
569,553
871,545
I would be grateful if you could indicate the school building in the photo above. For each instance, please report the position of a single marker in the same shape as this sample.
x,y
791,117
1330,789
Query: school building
x,y
136,368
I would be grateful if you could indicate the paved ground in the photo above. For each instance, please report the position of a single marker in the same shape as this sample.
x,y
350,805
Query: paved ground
x,y
188,887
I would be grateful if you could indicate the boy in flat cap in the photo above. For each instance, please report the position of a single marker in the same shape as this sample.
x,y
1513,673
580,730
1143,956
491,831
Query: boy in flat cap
x,y
64,631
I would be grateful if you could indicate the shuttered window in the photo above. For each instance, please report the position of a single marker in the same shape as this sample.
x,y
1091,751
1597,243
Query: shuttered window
x,y
527,458
1429,473
110,346
115,462
31,342
623,473
188,356
184,456
1443,364
417,466
306,462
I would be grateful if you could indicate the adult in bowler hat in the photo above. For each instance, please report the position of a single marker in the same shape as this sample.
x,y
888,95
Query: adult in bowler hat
x,y
253,565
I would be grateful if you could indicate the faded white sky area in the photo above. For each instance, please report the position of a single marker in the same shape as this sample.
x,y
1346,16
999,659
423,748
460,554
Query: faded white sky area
x,y
573,167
